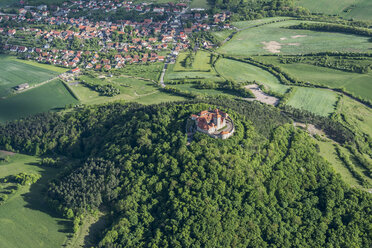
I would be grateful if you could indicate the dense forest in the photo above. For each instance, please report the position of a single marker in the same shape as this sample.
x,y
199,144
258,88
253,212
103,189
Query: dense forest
x,y
266,186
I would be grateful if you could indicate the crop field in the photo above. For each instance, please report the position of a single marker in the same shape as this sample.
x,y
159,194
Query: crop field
x,y
318,101
131,89
24,218
244,72
177,75
358,84
48,97
276,39
13,72
359,9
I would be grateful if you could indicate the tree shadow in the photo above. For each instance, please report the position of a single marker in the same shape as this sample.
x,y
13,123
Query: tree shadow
x,y
96,231
36,198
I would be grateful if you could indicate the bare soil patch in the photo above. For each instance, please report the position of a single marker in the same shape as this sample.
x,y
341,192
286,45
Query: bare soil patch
x,y
283,38
6,153
298,36
272,46
294,44
261,96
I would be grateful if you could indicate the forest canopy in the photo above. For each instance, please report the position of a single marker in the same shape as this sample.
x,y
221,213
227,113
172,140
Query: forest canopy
x,y
266,186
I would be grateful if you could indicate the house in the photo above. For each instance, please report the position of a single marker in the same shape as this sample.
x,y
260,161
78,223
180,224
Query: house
x,y
75,71
22,87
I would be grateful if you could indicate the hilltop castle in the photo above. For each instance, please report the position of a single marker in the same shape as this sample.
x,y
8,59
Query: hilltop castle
x,y
216,124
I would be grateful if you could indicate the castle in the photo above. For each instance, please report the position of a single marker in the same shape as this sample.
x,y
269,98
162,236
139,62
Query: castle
x,y
216,124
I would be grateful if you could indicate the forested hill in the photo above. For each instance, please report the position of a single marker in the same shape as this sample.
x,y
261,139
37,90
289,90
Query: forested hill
x,y
264,187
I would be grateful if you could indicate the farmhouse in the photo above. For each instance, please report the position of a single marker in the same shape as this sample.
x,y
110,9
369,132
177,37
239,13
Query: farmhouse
x,y
22,87
216,124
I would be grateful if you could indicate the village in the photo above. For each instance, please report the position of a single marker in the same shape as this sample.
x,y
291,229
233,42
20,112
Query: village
x,y
71,42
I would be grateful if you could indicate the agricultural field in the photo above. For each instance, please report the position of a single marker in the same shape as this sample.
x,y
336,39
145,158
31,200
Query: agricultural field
x,y
14,72
244,72
246,24
24,216
318,101
131,89
358,9
48,97
356,83
276,39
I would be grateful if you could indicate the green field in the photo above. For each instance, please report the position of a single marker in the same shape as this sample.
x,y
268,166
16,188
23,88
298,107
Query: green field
x,y
358,84
243,72
191,88
222,35
245,24
199,4
131,89
327,151
25,220
318,101
276,39
201,62
356,115
50,96
14,72
359,9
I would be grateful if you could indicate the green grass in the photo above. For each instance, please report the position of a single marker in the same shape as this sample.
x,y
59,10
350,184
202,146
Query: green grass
x,y
174,75
249,41
42,66
201,62
243,72
327,151
222,35
25,220
51,96
358,84
199,4
357,115
191,88
359,9
245,24
318,101
14,72
151,71
131,89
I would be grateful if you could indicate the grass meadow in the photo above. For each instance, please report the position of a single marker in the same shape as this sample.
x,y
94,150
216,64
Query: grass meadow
x,y
199,4
276,39
14,72
318,101
245,24
200,69
48,97
328,151
25,220
359,9
131,89
356,83
243,72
